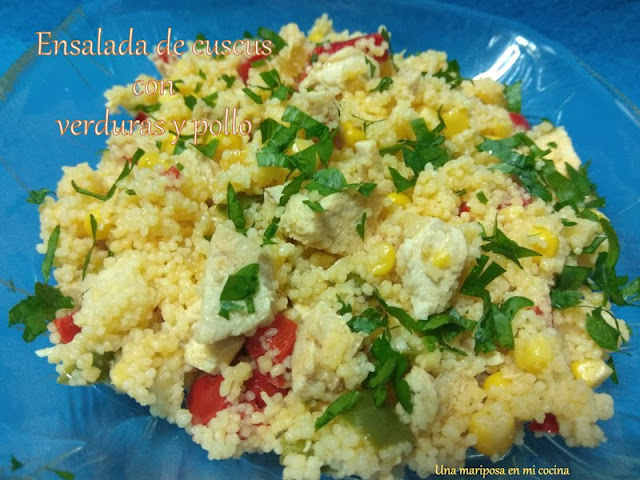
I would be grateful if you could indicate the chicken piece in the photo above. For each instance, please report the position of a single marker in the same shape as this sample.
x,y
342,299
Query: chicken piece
x,y
210,357
424,398
430,263
229,252
333,230
345,70
325,356
322,106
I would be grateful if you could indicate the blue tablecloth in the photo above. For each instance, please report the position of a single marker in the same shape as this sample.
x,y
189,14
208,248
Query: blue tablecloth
x,y
603,33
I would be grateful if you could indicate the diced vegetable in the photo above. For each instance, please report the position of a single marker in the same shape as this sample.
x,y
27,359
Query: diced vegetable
x,y
519,120
337,46
549,424
380,425
243,68
280,335
66,328
204,400
260,382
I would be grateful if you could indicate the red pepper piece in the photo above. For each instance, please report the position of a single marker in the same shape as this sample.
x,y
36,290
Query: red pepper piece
x,y
337,46
549,425
173,171
243,68
519,120
66,328
140,117
260,382
282,339
204,400
463,208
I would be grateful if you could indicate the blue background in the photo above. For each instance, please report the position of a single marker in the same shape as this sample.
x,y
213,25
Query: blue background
x,y
604,34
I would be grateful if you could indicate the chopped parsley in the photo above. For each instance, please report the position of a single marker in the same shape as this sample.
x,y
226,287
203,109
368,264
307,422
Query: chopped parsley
x,y
190,101
210,100
372,66
451,74
87,258
36,311
235,210
494,327
52,245
513,96
428,147
277,40
499,243
482,197
239,290
601,332
618,290
341,404
360,226
440,329
566,292
228,80
315,206
126,170
15,464
37,196
252,95
384,84
274,85
208,149
390,368
344,307
367,322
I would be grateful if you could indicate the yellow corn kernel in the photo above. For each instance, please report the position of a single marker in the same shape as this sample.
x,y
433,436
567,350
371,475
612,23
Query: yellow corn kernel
x,y
398,198
441,258
495,380
384,258
494,428
533,353
497,132
386,68
544,242
316,37
299,144
593,372
101,232
152,159
168,144
456,120
351,134
227,142
232,157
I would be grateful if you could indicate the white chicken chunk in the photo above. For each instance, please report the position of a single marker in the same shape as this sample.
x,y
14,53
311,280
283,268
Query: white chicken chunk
x,y
339,72
333,229
210,357
322,106
325,356
430,263
424,398
229,252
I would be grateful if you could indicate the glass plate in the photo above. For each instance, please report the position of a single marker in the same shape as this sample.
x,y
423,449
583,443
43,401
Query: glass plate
x,y
96,433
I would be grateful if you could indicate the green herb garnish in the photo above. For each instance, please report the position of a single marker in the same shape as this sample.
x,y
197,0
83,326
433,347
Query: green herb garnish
x,y
235,210
384,84
240,287
513,95
499,243
126,170
37,196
